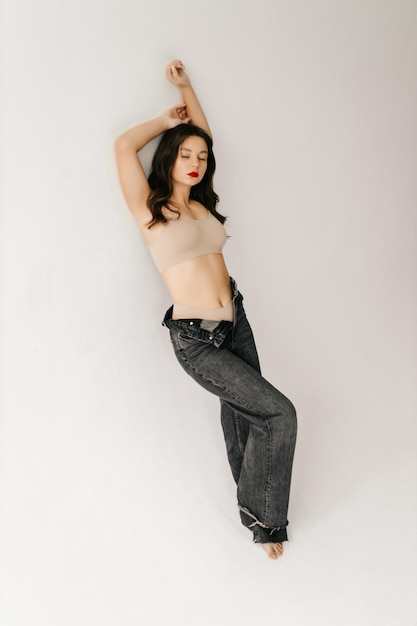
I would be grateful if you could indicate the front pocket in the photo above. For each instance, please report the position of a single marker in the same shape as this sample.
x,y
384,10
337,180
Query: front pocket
x,y
185,341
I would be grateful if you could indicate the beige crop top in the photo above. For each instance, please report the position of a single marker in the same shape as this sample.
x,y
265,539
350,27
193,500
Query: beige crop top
x,y
185,238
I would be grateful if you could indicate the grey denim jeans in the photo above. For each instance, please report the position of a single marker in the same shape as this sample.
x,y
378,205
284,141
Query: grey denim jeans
x,y
259,422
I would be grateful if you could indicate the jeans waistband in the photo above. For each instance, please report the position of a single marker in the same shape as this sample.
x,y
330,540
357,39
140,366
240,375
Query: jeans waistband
x,y
194,328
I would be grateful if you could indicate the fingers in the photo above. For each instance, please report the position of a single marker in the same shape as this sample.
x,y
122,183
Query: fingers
x,y
172,72
175,70
177,63
177,115
181,112
182,115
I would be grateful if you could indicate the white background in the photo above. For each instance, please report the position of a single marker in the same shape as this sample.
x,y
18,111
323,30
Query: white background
x,y
118,506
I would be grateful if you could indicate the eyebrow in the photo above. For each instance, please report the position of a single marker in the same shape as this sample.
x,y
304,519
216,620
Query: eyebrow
x,y
201,151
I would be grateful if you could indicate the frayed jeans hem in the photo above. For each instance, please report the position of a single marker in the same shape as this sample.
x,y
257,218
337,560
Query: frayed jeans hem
x,y
261,532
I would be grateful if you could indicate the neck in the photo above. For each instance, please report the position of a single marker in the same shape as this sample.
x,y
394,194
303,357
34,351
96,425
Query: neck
x,y
181,196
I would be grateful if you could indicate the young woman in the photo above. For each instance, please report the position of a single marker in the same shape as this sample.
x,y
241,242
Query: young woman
x,y
212,339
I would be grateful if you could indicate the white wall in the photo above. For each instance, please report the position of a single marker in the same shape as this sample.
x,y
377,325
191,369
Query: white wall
x,y
118,506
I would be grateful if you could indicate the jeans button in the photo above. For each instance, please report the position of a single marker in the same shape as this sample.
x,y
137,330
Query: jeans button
x,y
211,337
191,323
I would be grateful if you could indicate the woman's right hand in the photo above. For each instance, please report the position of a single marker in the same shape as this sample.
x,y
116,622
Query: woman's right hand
x,y
176,115
132,175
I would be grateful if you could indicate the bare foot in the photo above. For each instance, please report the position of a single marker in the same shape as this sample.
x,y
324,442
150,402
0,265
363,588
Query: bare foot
x,y
273,550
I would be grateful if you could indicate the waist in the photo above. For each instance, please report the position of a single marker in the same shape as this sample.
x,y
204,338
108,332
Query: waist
x,y
202,324
204,282
218,314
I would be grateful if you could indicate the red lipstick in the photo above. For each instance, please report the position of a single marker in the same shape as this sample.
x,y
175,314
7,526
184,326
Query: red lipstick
x,y
193,174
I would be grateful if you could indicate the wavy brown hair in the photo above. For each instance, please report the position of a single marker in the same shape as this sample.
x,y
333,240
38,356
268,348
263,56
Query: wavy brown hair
x,y
160,178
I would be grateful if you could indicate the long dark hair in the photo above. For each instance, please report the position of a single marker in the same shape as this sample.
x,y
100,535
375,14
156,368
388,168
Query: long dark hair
x,y
160,178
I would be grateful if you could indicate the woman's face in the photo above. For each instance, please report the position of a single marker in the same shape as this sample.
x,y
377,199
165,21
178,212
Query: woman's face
x,y
191,162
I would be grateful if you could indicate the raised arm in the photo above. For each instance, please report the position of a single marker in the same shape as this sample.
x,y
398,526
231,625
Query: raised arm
x,y
177,75
132,175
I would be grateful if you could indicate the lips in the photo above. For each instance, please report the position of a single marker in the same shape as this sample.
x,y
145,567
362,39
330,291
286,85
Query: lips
x,y
193,174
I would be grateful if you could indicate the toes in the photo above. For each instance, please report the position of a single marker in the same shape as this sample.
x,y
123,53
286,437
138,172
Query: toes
x,y
273,550
269,549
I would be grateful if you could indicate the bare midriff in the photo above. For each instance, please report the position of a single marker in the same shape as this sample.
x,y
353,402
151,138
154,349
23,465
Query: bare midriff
x,y
200,282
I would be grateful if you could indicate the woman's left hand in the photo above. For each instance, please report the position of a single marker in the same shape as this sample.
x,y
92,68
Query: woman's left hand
x,y
176,74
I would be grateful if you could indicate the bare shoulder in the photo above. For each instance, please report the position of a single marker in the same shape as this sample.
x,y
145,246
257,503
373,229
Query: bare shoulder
x,y
198,208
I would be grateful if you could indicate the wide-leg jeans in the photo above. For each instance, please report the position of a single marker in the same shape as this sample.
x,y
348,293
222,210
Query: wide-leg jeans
x,y
259,422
